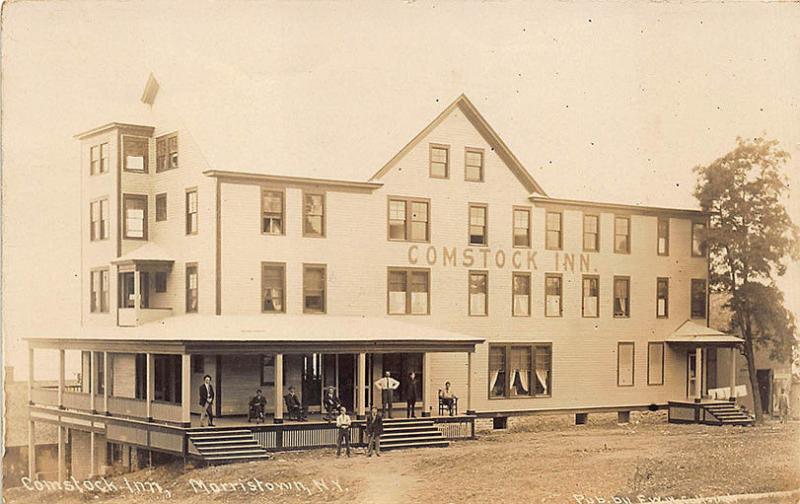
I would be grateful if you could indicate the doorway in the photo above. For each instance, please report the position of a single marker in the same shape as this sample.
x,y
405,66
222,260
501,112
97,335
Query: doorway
x,y
764,378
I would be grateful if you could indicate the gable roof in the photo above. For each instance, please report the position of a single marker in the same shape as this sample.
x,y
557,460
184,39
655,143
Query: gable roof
x,y
490,135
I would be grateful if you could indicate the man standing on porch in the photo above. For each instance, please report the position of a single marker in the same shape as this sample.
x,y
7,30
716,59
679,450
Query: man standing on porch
x,y
411,395
206,400
387,386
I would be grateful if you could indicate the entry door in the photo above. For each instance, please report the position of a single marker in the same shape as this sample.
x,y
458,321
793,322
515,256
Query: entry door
x,y
691,375
764,378
347,374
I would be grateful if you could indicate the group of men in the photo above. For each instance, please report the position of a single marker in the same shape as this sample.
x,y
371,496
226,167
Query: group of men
x,y
333,406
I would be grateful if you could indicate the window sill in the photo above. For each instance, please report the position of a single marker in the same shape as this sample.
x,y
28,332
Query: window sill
x,y
313,236
622,317
272,234
138,172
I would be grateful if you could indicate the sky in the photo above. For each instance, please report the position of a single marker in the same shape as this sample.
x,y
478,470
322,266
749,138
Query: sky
x,y
600,101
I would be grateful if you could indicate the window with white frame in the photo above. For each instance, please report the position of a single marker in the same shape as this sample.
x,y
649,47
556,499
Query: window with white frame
x,y
272,210
522,227
622,290
273,286
478,293
134,208
590,301
553,235
477,224
473,165
521,294
314,214
408,291
552,295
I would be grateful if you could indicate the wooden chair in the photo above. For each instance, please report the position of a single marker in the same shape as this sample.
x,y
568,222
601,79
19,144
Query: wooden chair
x,y
443,405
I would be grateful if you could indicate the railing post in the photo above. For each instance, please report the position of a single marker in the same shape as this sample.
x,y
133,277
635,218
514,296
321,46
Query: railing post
x,y
106,381
360,382
469,388
137,294
732,396
186,390
61,379
278,418
32,449
698,374
426,379
30,374
62,454
92,381
150,387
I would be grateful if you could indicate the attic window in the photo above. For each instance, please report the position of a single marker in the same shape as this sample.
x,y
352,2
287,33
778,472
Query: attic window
x,y
439,161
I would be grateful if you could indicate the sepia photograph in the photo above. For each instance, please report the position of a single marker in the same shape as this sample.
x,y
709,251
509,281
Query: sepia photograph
x,y
400,252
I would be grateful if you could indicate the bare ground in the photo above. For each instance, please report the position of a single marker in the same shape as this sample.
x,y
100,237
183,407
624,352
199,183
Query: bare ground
x,y
540,459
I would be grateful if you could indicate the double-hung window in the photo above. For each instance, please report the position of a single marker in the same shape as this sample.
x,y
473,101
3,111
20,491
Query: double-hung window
x,y
473,165
553,235
622,234
99,291
100,223
698,298
522,227
521,301
408,291
409,219
662,297
313,214
625,364
622,291
591,233
591,297
191,211
273,287
662,247
314,280
135,214
478,293
655,363
135,153
698,239
166,152
439,161
478,234
272,212
191,288
553,295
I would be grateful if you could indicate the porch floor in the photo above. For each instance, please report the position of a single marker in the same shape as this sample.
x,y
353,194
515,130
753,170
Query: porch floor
x,y
229,421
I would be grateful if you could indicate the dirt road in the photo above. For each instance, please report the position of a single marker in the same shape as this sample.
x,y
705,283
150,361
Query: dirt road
x,y
539,460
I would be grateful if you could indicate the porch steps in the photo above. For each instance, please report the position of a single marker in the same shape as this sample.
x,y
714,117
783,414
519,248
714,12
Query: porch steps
x,y
729,414
411,433
220,445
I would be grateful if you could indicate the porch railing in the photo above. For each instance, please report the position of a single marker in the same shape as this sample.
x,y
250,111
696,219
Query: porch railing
x,y
457,427
127,407
281,437
166,412
76,400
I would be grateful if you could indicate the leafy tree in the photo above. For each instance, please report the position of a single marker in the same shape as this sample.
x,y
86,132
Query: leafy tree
x,y
750,240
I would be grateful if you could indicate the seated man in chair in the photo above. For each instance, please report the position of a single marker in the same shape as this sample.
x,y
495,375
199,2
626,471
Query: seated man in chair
x,y
258,405
293,406
448,399
331,403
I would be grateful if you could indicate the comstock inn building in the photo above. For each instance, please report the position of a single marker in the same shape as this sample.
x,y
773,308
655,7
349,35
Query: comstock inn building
x,y
450,261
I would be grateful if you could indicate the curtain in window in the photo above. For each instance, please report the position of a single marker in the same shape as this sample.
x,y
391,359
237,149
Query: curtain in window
x,y
543,362
497,363
419,292
397,292
520,368
553,296
590,297
621,297
477,294
522,290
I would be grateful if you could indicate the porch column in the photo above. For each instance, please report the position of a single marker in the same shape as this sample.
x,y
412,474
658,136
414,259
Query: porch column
x,y
137,295
61,379
186,390
278,388
698,374
92,381
150,386
32,449
361,397
469,384
106,381
733,374
30,375
62,454
426,380
92,458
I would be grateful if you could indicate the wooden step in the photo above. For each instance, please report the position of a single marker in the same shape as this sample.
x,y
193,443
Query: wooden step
x,y
394,435
223,442
394,442
425,444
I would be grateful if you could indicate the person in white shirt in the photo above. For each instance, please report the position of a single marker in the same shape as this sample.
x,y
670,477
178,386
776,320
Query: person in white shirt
x,y
343,424
387,386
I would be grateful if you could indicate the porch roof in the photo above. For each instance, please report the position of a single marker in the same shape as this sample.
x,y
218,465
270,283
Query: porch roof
x,y
266,333
691,332
147,253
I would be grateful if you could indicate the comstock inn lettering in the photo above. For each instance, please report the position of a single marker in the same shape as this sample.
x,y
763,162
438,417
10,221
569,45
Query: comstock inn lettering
x,y
484,258
449,261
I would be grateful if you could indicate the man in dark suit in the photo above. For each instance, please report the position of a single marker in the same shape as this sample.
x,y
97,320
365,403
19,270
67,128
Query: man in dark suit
x,y
411,395
293,406
206,402
374,430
